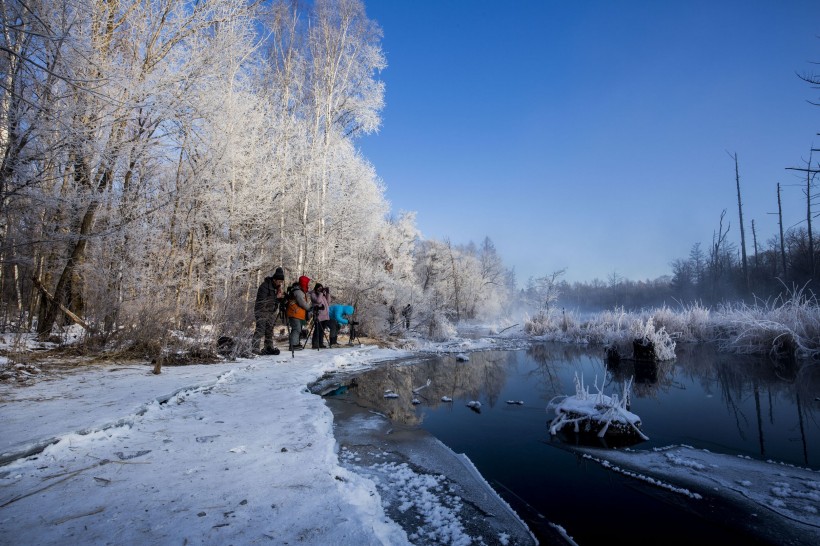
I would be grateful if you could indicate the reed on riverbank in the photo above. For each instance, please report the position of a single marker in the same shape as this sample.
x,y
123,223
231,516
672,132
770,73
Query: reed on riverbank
x,y
786,327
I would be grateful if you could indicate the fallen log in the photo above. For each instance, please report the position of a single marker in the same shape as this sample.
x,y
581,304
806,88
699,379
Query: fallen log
x,y
74,318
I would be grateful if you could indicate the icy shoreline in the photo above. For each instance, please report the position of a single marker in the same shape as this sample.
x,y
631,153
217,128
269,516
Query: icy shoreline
x,y
234,452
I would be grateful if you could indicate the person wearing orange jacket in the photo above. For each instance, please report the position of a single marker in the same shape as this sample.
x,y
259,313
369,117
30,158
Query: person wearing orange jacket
x,y
297,309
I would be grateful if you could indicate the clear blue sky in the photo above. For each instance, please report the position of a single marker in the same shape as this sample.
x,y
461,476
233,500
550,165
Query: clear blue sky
x,y
593,136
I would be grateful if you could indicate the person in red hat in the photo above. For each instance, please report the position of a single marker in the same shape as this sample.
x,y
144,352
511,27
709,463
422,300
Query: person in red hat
x,y
297,311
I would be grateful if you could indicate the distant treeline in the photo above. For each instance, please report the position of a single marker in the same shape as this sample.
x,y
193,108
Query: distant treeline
x,y
709,278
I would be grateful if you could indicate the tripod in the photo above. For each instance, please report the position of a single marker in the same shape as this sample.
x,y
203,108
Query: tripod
x,y
312,327
313,321
353,333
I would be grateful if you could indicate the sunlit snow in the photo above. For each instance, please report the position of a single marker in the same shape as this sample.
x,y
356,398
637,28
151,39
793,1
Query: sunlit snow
x,y
241,452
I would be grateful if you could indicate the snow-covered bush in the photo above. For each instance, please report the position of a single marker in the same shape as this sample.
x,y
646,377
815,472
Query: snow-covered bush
x,y
788,326
616,329
662,342
688,324
559,324
538,325
785,327
441,329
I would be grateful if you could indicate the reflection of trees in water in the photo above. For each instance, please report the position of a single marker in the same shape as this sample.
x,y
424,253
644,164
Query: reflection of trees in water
x,y
482,377
740,378
370,391
749,387
648,378
807,380
552,358
557,353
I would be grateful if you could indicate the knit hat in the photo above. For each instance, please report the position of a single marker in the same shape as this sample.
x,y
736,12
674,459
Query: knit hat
x,y
304,282
279,275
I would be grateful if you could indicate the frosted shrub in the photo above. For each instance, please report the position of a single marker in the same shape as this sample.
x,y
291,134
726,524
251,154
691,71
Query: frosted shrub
x,y
789,327
609,328
614,329
784,327
690,324
538,325
441,329
662,342
556,326
698,322
570,323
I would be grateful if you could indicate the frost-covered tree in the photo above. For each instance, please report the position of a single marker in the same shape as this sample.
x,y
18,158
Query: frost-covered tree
x,y
547,290
161,158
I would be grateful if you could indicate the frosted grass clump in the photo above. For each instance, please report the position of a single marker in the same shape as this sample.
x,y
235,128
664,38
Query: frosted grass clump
x,y
783,328
441,329
556,326
616,329
662,342
691,324
609,328
539,325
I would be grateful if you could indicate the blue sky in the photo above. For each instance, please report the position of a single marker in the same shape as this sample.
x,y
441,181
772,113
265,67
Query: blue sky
x,y
593,136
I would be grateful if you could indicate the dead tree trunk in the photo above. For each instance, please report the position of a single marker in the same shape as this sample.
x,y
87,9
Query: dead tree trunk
x,y
810,174
754,242
742,231
782,240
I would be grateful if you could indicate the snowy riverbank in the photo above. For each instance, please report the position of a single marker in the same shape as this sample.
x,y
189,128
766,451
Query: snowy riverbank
x,y
209,454
241,452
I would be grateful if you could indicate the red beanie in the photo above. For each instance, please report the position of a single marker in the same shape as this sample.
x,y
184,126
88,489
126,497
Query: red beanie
x,y
304,282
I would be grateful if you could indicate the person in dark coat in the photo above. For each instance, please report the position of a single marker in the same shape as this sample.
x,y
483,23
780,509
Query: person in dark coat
x,y
265,310
406,314
320,300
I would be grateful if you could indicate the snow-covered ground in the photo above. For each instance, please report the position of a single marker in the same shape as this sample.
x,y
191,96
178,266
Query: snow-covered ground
x,y
241,452
236,452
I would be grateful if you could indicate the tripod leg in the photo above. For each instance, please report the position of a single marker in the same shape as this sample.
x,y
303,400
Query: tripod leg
x,y
310,332
290,337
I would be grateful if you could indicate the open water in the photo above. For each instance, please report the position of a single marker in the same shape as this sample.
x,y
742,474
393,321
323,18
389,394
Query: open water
x,y
705,399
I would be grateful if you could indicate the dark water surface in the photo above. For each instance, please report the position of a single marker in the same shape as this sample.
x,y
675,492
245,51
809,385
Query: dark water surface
x,y
704,399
